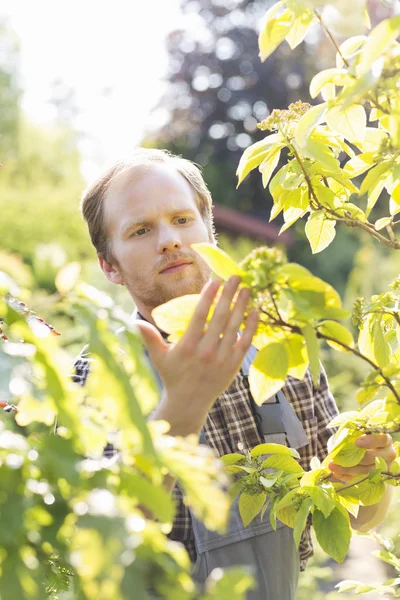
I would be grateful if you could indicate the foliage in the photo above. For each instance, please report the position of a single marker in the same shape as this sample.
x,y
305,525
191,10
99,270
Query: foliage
x,y
217,91
297,309
69,514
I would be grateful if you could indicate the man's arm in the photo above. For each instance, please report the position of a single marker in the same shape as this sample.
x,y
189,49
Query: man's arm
x,y
202,365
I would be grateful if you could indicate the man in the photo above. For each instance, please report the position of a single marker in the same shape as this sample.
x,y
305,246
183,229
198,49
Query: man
x,y
143,216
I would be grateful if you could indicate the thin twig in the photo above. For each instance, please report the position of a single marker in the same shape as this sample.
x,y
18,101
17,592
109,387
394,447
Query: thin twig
x,y
346,487
334,42
296,329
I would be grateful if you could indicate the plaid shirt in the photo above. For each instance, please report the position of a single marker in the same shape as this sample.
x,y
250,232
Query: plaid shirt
x,y
231,426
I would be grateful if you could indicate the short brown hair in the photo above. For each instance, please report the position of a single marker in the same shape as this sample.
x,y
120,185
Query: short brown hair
x,y
92,203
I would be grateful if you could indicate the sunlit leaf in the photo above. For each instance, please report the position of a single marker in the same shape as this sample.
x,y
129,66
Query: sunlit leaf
x,y
254,155
250,506
218,260
269,164
308,122
299,29
300,520
313,352
275,30
67,277
350,122
174,316
320,231
338,77
350,455
338,332
378,42
333,533
268,372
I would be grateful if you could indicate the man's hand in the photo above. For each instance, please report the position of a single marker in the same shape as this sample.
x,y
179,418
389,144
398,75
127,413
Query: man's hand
x,y
204,362
377,445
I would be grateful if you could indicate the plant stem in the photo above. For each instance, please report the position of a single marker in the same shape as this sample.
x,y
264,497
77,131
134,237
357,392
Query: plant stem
x,y
296,329
346,487
330,36
369,227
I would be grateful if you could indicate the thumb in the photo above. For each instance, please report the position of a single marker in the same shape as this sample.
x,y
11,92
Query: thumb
x,y
152,339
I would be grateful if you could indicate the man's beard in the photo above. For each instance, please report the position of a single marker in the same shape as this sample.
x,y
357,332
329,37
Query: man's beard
x,y
153,289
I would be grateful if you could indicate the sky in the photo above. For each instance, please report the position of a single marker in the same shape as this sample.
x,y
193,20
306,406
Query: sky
x,y
112,54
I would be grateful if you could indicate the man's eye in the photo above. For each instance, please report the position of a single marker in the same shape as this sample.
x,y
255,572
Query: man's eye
x,y
141,231
182,220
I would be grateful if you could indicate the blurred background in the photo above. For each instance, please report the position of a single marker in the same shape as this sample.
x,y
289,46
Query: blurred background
x,y
82,83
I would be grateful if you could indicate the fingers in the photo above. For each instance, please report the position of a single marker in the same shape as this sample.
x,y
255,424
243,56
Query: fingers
x,y
197,323
249,331
374,440
388,454
222,313
152,339
230,334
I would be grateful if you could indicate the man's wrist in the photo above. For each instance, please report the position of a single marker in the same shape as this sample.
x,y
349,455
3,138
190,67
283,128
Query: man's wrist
x,y
184,417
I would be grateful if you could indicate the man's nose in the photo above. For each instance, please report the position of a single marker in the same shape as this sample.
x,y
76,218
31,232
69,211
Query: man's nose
x,y
168,241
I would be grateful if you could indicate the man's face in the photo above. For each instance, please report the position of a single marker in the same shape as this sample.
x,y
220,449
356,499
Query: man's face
x,y
151,222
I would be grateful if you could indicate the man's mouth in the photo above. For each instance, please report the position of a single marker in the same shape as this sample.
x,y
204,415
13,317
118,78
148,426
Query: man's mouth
x,y
176,266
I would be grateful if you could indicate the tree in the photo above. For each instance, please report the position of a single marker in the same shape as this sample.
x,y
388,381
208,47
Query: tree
x,y
218,89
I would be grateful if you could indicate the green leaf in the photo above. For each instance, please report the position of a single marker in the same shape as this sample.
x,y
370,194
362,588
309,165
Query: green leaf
x,y
380,345
374,183
275,30
250,506
278,449
338,332
67,277
269,164
300,520
347,585
231,459
350,48
335,76
320,152
378,42
321,498
235,488
359,164
370,492
173,317
218,260
350,455
333,533
298,357
313,352
351,122
155,498
299,29
284,463
268,372
382,223
387,557
287,515
308,122
320,231
254,155
270,479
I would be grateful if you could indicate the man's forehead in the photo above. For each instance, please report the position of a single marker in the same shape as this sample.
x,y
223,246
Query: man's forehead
x,y
145,174
131,191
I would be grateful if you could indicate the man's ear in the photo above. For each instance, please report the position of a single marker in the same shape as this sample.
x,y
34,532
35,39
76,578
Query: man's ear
x,y
110,270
